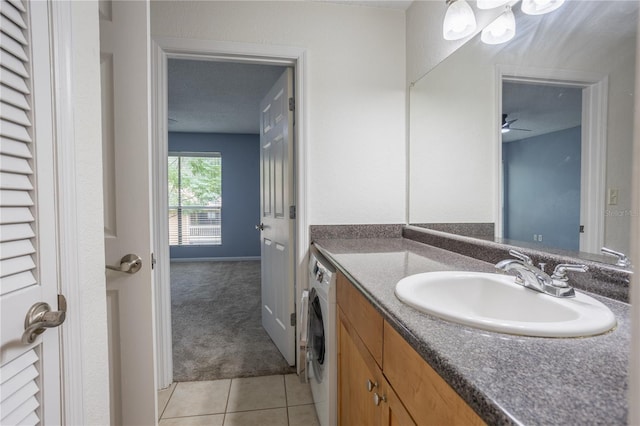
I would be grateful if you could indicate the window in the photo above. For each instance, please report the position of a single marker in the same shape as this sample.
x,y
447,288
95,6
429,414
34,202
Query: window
x,y
195,199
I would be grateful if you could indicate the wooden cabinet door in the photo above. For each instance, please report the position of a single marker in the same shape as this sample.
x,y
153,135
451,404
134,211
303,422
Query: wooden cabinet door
x,y
362,316
393,412
356,367
428,397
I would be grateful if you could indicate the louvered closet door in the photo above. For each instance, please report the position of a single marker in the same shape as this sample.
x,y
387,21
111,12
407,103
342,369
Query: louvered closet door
x,y
29,374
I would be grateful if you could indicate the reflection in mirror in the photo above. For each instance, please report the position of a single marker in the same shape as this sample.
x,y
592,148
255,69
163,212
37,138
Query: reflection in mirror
x,y
541,147
566,79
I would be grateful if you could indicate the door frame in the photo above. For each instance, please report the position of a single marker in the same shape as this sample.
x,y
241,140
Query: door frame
x,y
594,144
69,259
163,48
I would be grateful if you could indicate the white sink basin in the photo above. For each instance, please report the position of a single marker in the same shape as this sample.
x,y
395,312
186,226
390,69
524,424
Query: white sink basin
x,y
495,302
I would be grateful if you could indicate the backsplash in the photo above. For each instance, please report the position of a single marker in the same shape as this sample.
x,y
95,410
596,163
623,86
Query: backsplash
x,y
319,232
603,279
476,230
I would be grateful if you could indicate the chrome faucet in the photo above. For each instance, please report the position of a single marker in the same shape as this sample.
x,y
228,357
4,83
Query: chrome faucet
x,y
623,260
535,278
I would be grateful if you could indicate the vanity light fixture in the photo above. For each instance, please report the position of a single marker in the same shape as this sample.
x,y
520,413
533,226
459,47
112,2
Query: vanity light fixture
x,y
491,4
459,20
540,7
501,30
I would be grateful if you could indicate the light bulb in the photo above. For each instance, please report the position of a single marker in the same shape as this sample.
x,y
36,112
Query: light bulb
x,y
459,21
540,7
501,30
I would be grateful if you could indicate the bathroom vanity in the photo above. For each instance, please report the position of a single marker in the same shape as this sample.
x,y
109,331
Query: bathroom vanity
x,y
380,373
400,366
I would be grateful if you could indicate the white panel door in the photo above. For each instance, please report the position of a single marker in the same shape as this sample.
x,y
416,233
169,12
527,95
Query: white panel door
x,y
277,227
124,48
29,372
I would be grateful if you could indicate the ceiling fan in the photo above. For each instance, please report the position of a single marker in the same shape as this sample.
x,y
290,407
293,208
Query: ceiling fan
x,y
506,125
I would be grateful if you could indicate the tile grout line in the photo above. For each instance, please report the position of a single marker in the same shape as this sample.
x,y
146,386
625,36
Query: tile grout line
x,y
286,398
226,405
168,400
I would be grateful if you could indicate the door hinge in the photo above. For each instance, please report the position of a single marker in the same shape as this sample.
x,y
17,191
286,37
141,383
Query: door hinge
x,y
293,319
292,212
292,104
582,229
153,261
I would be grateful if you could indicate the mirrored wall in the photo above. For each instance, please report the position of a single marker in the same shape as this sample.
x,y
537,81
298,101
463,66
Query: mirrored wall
x,y
530,141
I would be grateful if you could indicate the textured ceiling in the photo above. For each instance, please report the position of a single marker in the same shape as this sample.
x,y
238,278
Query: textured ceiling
x,y
217,97
540,109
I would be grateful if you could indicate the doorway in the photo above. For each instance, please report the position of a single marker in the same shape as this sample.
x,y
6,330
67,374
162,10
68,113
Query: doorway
x,y
541,156
592,89
162,50
214,195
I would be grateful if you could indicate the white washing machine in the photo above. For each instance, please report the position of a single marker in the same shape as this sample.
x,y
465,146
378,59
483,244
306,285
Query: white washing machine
x,y
321,349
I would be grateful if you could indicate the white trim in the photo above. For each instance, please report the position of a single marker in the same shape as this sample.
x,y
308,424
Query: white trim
x,y
213,259
164,47
594,160
497,146
71,337
159,114
594,144
407,160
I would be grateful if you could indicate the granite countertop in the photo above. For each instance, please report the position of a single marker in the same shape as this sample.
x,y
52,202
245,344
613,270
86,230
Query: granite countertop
x,y
506,379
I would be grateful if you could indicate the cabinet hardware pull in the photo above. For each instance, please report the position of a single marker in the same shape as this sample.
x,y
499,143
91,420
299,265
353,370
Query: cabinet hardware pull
x,y
371,385
377,398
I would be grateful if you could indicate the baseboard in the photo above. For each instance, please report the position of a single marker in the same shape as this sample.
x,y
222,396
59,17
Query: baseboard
x,y
214,259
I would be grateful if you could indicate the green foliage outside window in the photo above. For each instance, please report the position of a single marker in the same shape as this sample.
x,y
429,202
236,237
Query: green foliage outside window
x,y
195,181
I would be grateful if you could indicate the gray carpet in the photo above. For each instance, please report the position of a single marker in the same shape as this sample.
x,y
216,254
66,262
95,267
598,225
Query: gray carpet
x,y
216,320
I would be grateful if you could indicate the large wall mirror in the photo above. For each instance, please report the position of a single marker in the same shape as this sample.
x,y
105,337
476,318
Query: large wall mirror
x,y
530,141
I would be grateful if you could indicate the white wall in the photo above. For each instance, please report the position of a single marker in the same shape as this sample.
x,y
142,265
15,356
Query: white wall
x,y
620,149
356,93
90,232
452,155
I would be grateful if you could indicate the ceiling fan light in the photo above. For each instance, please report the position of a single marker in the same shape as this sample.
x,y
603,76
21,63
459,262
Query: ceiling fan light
x,y
501,30
459,21
491,4
540,7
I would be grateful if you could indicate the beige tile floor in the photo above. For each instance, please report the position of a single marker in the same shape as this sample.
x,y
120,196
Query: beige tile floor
x,y
269,400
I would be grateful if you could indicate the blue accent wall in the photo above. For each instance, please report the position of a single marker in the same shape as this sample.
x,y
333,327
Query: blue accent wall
x,y
240,192
542,188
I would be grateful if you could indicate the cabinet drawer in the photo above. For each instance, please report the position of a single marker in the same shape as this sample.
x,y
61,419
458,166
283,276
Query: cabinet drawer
x,y
429,399
365,319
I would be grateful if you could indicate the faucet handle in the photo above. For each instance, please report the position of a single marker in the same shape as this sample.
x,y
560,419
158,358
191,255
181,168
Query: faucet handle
x,y
623,260
560,272
526,259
